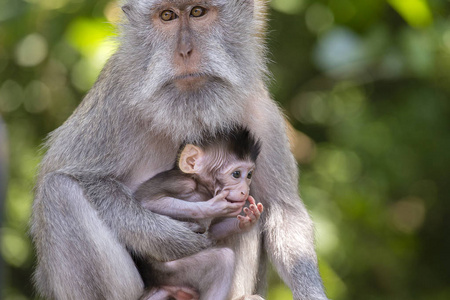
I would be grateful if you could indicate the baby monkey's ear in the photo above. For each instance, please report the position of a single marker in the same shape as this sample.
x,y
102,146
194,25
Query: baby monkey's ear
x,y
191,159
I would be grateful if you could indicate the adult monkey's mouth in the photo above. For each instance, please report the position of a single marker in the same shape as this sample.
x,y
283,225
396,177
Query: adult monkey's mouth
x,y
192,81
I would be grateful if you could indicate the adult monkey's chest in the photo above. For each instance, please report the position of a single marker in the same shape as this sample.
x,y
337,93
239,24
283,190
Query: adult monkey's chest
x,y
157,157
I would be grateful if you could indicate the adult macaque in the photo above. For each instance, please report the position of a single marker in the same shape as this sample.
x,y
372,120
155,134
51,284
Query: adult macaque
x,y
183,67
215,170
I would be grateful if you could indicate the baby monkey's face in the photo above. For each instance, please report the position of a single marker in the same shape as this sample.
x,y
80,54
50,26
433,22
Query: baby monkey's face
x,y
236,178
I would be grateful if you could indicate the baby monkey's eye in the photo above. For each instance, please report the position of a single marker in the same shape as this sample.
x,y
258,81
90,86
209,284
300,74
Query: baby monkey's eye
x,y
198,11
249,175
168,15
236,174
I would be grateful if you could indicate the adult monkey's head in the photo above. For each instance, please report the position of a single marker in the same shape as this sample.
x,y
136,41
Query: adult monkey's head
x,y
196,62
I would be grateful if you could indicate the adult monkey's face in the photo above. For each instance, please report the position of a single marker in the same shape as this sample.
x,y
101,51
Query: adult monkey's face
x,y
189,45
187,26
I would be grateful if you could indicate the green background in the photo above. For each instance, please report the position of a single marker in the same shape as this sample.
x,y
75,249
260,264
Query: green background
x,y
365,85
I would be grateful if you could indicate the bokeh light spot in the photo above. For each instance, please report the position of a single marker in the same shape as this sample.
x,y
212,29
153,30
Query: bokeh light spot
x,y
11,96
288,6
302,146
113,12
50,4
14,247
311,108
408,215
279,291
37,97
341,166
327,234
92,38
339,51
319,18
416,12
32,50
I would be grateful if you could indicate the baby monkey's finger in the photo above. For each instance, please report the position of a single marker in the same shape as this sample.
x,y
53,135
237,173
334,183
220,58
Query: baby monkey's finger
x,y
243,218
246,210
260,207
255,210
244,222
222,194
250,214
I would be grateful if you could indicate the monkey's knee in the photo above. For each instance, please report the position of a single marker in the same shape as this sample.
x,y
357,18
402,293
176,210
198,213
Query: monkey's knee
x,y
56,191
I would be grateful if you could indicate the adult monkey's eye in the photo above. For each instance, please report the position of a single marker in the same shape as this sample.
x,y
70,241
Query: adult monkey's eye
x,y
198,11
236,174
168,15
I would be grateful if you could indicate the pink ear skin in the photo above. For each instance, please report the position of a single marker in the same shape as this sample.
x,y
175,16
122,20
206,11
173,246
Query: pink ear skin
x,y
191,159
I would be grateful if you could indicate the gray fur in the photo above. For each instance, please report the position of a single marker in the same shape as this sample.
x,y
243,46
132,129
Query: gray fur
x,y
176,184
128,128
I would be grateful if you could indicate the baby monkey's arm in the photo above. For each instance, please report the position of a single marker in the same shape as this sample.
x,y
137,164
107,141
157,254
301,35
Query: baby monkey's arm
x,y
162,194
177,208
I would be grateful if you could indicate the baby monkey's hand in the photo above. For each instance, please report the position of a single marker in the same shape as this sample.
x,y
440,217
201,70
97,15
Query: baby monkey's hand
x,y
252,214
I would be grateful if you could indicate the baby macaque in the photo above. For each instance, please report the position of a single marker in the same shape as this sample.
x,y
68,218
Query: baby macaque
x,y
207,173
207,188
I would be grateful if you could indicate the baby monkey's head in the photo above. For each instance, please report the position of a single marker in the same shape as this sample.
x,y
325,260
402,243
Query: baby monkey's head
x,y
224,160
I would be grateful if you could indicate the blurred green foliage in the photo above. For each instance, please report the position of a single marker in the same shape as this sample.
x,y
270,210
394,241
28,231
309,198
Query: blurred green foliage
x,y
366,86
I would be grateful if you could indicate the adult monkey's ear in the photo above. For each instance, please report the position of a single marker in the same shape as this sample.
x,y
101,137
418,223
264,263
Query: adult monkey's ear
x,y
130,11
127,10
191,159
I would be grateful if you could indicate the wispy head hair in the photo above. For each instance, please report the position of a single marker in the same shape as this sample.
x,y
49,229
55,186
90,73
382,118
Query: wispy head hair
x,y
237,140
